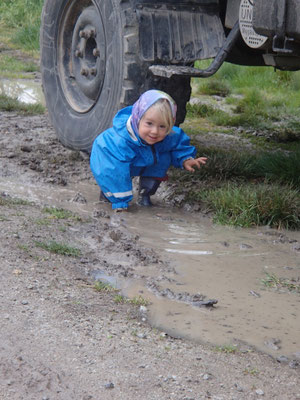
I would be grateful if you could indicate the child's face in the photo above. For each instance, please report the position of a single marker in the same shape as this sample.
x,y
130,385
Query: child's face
x,y
152,128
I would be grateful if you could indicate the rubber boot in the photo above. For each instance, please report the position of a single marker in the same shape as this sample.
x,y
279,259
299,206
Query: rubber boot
x,y
147,187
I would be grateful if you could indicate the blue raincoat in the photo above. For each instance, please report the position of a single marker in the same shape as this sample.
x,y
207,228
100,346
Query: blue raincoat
x,y
118,154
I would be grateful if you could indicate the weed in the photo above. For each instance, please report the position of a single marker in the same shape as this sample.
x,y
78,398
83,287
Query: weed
x,y
104,287
119,299
59,248
42,221
60,213
136,301
13,201
251,371
272,281
10,104
199,110
228,349
216,87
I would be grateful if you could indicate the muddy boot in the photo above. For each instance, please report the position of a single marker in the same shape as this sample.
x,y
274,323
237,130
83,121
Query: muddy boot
x,y
147,187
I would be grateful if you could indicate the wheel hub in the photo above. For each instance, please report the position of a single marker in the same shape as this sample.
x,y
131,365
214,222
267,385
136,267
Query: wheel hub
x,y
83,68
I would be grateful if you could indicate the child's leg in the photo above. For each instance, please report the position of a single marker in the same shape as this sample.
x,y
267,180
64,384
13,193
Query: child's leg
x,y
151,178
147,187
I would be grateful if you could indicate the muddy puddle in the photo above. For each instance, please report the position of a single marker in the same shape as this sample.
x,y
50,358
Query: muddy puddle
x,y
25,90
218,285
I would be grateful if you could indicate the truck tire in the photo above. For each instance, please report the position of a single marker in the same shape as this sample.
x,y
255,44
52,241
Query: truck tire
x,y
90,67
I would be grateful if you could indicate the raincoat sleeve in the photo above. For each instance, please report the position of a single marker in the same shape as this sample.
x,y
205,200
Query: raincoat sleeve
x,y
110,162
181,148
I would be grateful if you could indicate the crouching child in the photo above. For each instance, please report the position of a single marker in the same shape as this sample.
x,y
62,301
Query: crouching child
x,y
144,142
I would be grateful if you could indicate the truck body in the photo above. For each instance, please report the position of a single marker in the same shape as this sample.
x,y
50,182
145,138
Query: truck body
x,y
100,55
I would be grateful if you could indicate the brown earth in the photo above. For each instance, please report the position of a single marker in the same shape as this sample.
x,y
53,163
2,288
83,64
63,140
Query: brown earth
x,y
62,339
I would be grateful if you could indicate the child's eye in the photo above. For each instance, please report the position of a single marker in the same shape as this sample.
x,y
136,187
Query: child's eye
x,y
162,127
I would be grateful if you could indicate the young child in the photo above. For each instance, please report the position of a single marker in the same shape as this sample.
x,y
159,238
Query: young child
x,y
142,142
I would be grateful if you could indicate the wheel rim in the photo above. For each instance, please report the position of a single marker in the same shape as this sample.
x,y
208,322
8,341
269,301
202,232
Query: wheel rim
x,y
81,54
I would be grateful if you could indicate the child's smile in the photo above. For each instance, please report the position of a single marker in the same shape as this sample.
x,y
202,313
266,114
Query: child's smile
x,y
152,128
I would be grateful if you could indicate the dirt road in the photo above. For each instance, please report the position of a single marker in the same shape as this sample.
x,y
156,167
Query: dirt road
x,y
61,338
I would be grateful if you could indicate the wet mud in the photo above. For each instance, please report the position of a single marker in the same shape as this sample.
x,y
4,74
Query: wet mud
x,y
204,282
61,340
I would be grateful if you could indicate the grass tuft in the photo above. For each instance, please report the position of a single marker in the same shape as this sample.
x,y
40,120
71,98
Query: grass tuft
x,y
280,167
272,281
227,349
253,205
60,213
215,87
136,301
59,248
9,104
23,17
104,287
11,67
13,201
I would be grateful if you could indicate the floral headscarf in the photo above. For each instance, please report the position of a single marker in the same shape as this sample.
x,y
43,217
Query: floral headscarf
x,y
145,101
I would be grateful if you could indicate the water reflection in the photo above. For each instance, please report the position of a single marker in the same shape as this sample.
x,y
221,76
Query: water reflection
x,y
25,90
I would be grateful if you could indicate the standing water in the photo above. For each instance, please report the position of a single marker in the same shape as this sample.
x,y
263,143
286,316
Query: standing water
x,y
241,269
24,90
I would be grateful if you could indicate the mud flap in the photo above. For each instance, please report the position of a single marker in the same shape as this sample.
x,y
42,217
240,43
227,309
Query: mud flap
x,y
179,34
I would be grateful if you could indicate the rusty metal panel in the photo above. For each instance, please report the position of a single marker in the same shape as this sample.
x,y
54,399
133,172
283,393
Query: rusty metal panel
x,y
174,34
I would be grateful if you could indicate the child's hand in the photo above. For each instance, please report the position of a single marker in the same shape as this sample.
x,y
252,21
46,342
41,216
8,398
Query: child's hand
x,y
194,162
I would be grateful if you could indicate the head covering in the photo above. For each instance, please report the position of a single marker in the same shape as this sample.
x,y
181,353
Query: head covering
x,y
145,101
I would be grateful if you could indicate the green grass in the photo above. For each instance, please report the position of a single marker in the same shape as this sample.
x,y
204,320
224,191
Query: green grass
x,y
279,167
265,98
119,299
104,287
59,248
223,165
60,213
227,348
136,301
11,67
10,104
246,189
22,19
272,281
251,205
14,201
